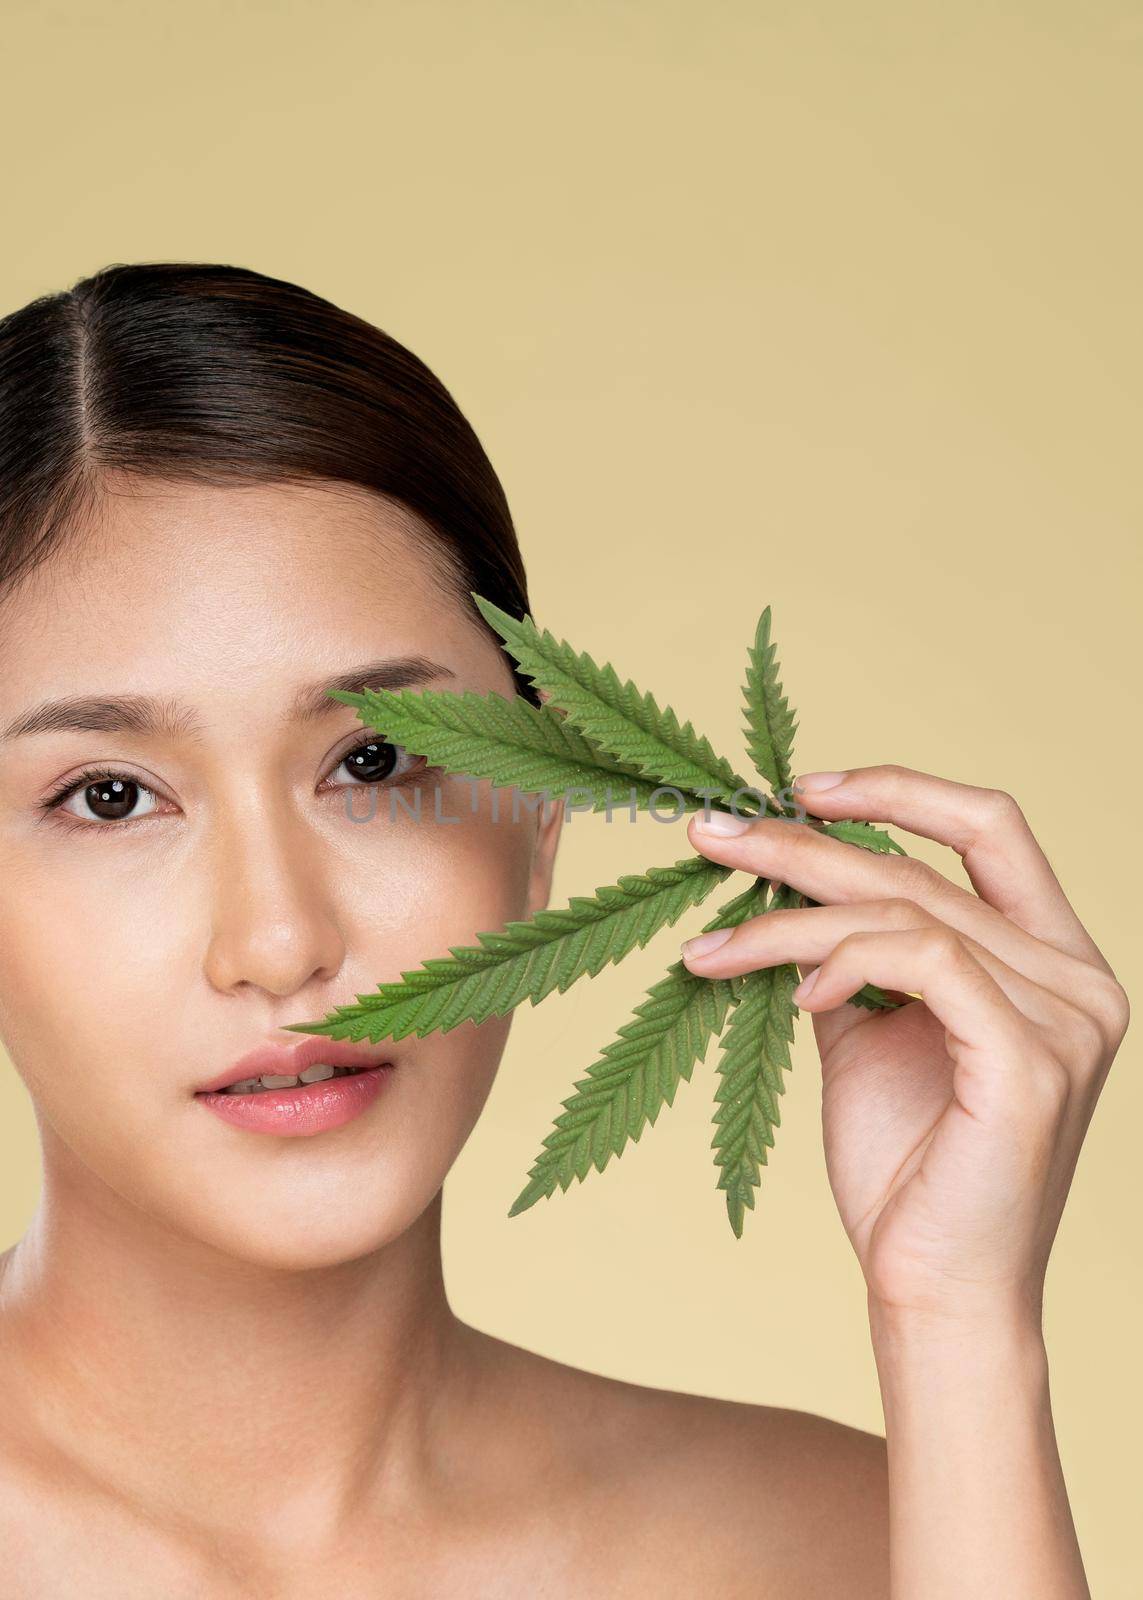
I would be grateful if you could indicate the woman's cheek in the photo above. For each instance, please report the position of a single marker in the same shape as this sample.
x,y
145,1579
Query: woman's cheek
x,y
82,1008
458,868
59,944
450,882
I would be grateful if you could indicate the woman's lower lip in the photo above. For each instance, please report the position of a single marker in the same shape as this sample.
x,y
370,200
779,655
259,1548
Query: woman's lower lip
x,y
310,1108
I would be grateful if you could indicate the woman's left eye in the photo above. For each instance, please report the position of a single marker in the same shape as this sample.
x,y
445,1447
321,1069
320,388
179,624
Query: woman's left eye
x,y
376,760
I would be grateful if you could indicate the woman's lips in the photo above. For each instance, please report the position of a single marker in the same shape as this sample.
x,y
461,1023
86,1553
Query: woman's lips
x,y
309,1108
275,1059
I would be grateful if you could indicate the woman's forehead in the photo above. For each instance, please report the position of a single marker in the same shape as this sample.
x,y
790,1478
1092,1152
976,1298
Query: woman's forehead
x,y
186,567
221,599
212,533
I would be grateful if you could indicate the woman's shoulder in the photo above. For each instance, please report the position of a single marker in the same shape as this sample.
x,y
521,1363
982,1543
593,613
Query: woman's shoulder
x,y
704,1492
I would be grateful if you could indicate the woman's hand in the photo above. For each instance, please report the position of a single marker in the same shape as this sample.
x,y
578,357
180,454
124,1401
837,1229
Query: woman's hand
x,y
952,1125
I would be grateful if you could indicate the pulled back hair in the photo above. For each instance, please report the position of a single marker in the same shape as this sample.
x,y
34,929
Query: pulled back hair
x,y
218,374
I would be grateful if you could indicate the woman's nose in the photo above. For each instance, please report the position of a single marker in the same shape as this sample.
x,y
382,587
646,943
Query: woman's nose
x,y
273,921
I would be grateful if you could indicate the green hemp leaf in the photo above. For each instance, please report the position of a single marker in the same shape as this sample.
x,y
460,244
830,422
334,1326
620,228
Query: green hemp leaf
x,y
602,741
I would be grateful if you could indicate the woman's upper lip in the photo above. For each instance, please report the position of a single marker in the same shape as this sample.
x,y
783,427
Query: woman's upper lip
x,y
288,1060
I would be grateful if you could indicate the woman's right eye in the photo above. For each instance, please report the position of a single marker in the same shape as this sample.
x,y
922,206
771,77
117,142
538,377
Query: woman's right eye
x,y
103,797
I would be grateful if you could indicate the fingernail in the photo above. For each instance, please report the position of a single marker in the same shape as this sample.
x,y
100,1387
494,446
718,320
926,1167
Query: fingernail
x,y
723,822
813,781
704,942
806,984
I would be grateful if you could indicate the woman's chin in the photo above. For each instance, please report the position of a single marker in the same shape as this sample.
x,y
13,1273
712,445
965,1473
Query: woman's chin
x,y
300,1242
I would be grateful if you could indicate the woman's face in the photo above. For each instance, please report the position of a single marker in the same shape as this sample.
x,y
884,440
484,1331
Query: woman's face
x,y
256,880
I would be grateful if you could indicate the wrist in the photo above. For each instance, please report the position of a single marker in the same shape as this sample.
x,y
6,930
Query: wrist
x,y
991,1318
995,1349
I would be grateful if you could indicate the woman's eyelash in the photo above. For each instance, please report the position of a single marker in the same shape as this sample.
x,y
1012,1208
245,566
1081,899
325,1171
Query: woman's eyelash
x,y
56,800
89,775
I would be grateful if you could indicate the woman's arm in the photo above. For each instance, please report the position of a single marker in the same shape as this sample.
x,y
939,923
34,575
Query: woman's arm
x,y
952,1128
976,1492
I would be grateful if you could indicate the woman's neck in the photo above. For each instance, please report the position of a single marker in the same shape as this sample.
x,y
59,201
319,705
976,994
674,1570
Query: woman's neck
x,y
241,1401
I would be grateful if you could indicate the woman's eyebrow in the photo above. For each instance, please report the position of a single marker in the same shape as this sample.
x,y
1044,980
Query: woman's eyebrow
x,y
151,717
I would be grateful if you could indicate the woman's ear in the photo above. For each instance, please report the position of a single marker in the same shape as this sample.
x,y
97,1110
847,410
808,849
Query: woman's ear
x,y
550,818
549,825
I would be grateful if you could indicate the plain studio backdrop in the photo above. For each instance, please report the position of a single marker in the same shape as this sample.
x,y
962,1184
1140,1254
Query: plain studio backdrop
x,y
825,306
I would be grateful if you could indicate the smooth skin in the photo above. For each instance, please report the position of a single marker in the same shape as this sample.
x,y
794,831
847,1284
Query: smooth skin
x,y
952,1129
229,1369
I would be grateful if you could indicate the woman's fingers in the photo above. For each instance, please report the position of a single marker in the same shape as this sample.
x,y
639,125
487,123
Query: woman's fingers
x,y
986,827
810,935
933,962
831,871
1004,1067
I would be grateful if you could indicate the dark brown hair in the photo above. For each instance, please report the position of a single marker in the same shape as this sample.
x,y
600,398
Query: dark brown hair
x,y
216,374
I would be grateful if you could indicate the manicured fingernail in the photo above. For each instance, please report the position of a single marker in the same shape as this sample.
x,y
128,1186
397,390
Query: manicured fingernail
x,y
806,984
702,943
723,822
813,781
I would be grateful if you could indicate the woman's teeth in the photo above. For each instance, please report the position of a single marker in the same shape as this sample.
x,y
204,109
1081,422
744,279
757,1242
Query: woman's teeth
x,y
315,1074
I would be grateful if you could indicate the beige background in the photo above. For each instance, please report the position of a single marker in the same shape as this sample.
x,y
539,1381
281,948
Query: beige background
x,y
826,305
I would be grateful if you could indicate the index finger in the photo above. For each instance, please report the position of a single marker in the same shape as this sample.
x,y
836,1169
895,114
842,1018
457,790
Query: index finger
x,y
987,829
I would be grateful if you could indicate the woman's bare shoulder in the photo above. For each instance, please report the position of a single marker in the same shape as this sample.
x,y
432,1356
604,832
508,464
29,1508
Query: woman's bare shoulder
x,y
756,1499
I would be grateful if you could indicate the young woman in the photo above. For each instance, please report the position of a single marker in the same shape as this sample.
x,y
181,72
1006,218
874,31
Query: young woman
x,y
228,1366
